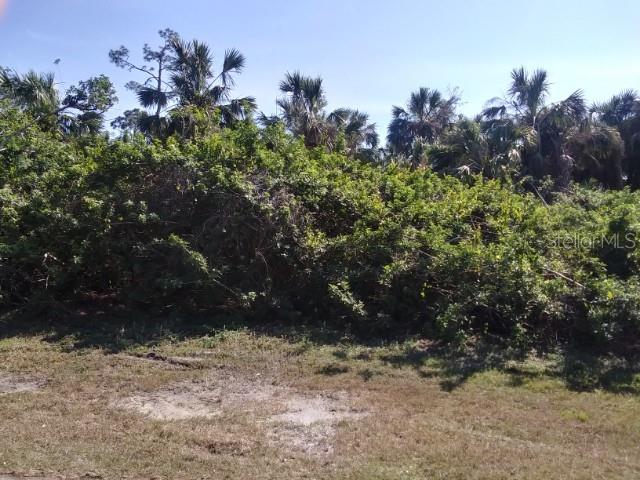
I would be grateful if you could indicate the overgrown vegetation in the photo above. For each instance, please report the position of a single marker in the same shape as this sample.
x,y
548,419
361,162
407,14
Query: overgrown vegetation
x,y
494,227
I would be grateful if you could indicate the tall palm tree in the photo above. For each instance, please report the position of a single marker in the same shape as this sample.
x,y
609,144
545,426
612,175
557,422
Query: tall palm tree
x,y
354,125
302,107
462,150
302,110
622,112
427,115
181,79
538,131
557,123
195,85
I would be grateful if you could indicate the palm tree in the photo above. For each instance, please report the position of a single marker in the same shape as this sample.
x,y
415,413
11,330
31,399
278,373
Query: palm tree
x,y
302,110
269,120
537,131
303,106
80,111
597,152
622,112
355,127
33,92
618,109
427,115
196,86
462,150
557,123
193,78
181,79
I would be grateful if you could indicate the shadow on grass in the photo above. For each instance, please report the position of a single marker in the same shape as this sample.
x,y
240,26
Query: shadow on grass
x,y
114,330
454,366
579,370
118,329
583,372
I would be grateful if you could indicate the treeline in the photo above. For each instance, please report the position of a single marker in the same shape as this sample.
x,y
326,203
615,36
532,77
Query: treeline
x,y
458,228
521,137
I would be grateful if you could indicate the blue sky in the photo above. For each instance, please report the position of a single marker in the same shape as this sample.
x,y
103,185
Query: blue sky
x,y
371,53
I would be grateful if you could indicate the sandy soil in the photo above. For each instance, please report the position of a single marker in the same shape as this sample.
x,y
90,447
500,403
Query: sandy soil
x,y
16,384
297,419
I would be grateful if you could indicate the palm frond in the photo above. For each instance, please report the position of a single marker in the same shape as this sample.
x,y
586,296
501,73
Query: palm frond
x,y
339,116
618,108
234,62
313,92
150,97
519,84
537,88
292,83
398,112
268,120
492,113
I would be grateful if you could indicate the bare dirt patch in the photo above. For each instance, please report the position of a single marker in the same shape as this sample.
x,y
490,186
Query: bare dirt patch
x,y
173,404
309,424
298,420
205,398
320,409
15,384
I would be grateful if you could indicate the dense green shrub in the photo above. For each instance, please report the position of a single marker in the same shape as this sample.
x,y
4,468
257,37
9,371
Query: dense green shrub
x,y
250,221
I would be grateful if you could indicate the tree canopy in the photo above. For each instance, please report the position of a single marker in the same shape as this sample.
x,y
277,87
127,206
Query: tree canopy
x,y
520,223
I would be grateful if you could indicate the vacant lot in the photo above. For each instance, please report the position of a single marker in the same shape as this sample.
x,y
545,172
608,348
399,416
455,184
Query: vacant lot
x,y
243,404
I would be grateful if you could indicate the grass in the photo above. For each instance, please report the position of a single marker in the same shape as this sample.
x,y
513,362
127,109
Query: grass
x,y
428,412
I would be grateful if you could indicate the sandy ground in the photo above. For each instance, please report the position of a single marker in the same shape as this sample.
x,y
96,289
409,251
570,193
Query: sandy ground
x,y
16,384
294,419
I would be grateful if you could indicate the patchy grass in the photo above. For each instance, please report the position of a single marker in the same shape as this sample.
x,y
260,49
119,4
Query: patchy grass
x,y
103,401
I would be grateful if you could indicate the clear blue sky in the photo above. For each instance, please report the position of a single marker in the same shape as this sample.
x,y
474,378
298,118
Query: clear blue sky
x,y
371,53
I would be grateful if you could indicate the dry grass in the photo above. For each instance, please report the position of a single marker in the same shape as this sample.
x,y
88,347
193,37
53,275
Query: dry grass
x,y
282,408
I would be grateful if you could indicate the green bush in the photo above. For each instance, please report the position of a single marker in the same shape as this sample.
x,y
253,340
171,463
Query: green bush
x,y
251,222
